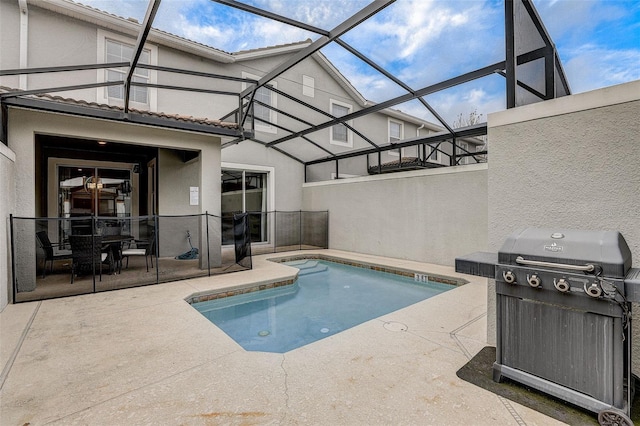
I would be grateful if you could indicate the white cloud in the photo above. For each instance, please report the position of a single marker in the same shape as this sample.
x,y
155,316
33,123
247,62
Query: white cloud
x,y
422,42
592,67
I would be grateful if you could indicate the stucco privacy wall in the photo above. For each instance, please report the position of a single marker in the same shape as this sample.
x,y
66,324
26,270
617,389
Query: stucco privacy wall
x,y
429,216
572,162
24,124
7,195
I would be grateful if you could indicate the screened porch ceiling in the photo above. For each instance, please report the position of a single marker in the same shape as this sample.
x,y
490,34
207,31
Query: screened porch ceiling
x,y
528,70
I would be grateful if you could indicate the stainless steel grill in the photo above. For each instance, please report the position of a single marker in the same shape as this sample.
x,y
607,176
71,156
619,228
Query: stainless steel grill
x,y
563,315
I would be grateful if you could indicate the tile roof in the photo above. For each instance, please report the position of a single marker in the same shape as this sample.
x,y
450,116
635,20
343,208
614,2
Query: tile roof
x,y
175,117
206,46
135,21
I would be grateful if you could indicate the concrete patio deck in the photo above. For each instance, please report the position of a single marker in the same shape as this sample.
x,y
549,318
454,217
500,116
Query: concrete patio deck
x,y
145,356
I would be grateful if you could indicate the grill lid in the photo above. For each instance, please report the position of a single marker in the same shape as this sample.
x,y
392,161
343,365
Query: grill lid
x,y
607,249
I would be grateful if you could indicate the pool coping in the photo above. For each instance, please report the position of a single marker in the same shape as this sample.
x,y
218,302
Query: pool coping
x,y
254,287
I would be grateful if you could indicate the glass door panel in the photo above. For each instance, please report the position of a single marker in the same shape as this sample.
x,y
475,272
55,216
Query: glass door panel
x,y
92,191
256,204
244,191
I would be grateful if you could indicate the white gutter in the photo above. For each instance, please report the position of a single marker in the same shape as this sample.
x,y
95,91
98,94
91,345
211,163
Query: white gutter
x,y
24,41
130,27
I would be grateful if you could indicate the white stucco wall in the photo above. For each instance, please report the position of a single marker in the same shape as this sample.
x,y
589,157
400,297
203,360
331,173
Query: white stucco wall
x,y
7,206
429,216
289,174
203,172
573,162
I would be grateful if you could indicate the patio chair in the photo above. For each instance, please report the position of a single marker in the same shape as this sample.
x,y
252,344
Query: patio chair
x,y
87,253
50,254
146,248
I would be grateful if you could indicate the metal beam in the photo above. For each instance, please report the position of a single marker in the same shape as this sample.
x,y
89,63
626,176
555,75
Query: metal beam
x,y
195,73
359,17
63,68
289,130
464,78
510,51
463,132
58,89
142,38
186,89
273,16
293,157
318,110
394,79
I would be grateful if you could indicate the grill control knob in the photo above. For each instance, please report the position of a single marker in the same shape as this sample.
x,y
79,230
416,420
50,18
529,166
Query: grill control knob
x,y
562,285
593,290
509,277
534,281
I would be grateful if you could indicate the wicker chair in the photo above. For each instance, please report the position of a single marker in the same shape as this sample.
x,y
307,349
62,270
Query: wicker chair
x,y
50,254
87,255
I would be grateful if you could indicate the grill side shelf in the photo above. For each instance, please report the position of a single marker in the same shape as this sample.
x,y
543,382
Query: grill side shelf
x,y
480,263
632,285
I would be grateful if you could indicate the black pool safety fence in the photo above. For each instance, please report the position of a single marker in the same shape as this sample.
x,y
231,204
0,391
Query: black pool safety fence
x,y
58,257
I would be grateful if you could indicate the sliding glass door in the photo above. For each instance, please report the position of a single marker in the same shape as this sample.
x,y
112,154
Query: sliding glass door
x,y
92,191
244,191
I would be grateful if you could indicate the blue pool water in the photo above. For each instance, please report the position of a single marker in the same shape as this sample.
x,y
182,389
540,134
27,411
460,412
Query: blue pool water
x,y
326,299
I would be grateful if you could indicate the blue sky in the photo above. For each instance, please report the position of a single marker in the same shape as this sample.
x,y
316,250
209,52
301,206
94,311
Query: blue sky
x,y
421,41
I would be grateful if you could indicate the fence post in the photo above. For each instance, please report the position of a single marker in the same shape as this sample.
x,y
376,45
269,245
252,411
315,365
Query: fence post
x,y
157,247
13,261
326,241
206,218
300,232
93,252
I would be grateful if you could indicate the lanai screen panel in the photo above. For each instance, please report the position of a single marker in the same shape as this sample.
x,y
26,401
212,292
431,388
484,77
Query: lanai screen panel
x,y
538,71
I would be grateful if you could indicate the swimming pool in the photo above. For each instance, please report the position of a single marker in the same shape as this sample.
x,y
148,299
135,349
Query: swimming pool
x,y
326,299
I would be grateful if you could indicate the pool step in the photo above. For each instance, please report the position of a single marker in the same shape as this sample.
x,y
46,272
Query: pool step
x,y
312,270
303,264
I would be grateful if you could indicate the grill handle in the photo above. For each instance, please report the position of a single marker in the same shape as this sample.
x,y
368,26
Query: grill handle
x,y
586,268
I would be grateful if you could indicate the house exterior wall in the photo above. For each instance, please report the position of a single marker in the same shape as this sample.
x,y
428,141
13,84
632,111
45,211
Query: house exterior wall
x,y
79,42
428,215
10,36
289,174
74,43
7,206
203,172
571,162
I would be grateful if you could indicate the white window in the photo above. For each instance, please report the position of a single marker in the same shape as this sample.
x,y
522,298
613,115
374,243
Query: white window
x,y
116,48
340,134
434,154
121,52
308,86
464,148
264,116
396,134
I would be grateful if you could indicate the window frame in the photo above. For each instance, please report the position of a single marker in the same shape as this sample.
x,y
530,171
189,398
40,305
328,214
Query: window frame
x,y
463,160
270,193
102,92
308,86
273,116
433,152
398,151
349,142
